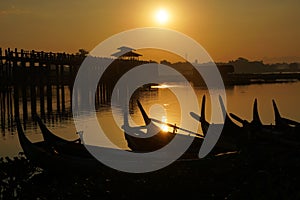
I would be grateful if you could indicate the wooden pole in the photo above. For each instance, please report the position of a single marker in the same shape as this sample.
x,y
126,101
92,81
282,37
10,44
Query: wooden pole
x,y
2,106
57,89
16,100
62,75
49,90
41,87
32,86
24,102
11,106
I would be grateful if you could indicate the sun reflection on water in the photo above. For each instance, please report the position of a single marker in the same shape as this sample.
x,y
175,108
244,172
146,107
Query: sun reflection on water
x,y
164,127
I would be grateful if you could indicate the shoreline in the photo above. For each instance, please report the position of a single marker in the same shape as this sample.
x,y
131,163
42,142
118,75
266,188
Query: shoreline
x,y
232,176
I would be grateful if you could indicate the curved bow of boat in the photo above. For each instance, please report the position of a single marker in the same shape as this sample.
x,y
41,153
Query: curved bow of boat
x,y
33,151
50,137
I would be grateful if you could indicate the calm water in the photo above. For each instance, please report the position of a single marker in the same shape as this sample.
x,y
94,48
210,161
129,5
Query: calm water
x,y
239,101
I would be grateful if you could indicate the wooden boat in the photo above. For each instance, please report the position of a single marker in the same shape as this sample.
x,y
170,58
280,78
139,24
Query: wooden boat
x,y
232,135
50,159
161,138
73,147
280,132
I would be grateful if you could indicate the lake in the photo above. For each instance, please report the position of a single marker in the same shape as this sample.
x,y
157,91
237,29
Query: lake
x,y
161,103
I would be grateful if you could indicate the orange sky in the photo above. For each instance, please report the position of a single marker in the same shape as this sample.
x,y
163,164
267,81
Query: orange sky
x,y
258,30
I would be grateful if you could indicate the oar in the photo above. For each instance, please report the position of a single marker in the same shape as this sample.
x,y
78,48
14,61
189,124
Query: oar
x,y
289,121
148,120
195,116
222,107
176,127
242,121
136,130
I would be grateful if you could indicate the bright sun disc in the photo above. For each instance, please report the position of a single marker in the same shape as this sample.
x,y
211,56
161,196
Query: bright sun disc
x,y
162,16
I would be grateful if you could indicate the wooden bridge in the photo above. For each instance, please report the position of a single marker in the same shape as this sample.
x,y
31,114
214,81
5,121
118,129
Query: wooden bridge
x,y
42,82
37,67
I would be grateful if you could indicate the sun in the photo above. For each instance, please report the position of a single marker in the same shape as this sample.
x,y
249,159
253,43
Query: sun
x,y
162,16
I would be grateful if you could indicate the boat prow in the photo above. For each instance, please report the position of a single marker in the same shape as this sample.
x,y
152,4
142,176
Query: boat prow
x,y
281,121
50,137
256,119
62,145
35,152
53,160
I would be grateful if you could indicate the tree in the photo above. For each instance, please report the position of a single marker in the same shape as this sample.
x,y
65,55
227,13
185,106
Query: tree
x,y
82,52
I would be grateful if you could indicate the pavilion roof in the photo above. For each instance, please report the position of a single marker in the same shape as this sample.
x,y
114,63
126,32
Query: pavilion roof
x,y
126,52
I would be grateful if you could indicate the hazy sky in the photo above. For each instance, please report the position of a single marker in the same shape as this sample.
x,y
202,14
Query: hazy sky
x,y
267,30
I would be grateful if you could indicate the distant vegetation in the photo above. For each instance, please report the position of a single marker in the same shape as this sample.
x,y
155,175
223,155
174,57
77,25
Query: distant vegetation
x,y
82,52
242,65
